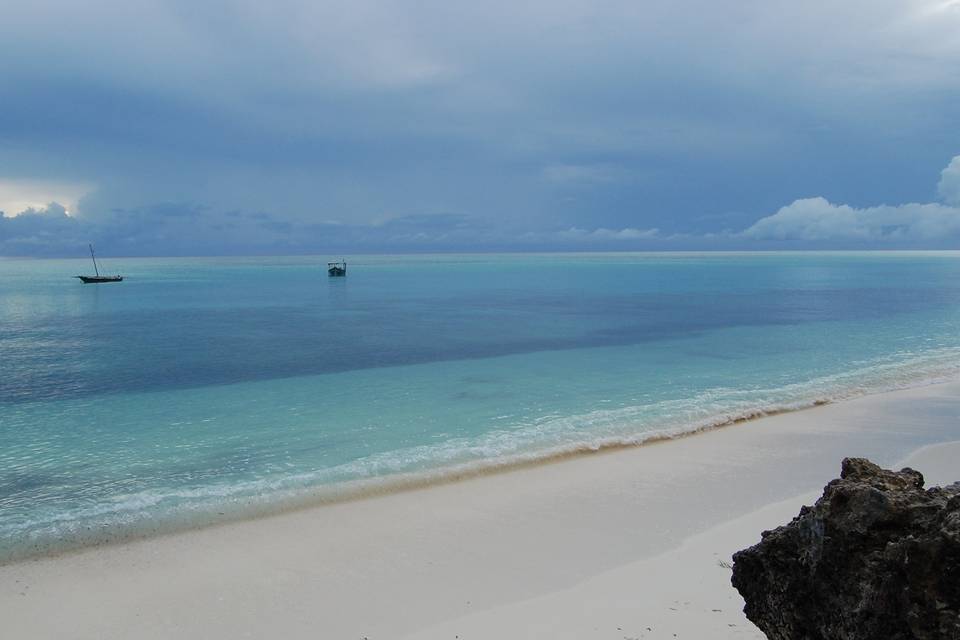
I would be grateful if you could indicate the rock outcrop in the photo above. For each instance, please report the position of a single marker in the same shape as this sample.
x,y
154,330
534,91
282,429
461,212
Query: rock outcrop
x,y
876,557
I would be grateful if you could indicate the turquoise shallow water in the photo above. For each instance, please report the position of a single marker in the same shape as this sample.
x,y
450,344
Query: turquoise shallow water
x,y
201,387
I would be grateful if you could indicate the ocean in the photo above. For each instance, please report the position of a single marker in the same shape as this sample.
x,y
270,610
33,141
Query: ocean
x,y
201,389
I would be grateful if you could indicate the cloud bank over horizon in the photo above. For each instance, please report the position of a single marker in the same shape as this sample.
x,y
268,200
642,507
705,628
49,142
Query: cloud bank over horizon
x,y
185,229
171,128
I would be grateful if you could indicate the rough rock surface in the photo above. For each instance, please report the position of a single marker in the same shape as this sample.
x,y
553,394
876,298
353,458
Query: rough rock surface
x,y
876,557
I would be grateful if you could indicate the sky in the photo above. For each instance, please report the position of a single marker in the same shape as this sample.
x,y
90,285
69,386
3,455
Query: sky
x,y
294,127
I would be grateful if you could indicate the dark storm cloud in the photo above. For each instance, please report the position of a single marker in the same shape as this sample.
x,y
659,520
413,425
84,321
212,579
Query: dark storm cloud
x,y
47,231
440,125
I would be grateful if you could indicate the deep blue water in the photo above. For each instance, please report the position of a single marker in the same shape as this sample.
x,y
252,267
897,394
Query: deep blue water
x,y
201,385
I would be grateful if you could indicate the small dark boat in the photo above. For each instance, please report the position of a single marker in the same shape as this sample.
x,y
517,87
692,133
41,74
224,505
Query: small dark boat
x,y
337,269
97,278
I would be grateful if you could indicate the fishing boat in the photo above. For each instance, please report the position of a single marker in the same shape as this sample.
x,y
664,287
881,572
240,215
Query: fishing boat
x,y
96,279
337,269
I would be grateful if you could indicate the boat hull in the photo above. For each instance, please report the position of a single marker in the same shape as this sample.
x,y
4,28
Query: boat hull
x,y
99,279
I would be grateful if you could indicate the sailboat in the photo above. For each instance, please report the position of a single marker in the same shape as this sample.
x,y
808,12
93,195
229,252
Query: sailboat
x,y
97,278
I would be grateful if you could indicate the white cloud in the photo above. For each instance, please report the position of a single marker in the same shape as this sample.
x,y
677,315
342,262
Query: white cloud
x,y
818,219
19,195
602,233
949,186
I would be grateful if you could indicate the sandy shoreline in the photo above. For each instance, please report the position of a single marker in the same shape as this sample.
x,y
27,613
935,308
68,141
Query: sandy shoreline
x,y
630,539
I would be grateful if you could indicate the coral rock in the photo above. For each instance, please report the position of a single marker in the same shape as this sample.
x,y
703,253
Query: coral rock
x,y
876,557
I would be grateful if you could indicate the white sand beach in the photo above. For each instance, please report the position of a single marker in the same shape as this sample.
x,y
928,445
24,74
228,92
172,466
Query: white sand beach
x,y
624,544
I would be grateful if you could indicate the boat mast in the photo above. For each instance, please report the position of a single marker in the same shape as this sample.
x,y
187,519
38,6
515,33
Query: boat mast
x,y
92,257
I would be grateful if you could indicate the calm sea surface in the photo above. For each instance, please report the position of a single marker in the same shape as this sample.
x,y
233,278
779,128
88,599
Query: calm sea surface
x,y
203,387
